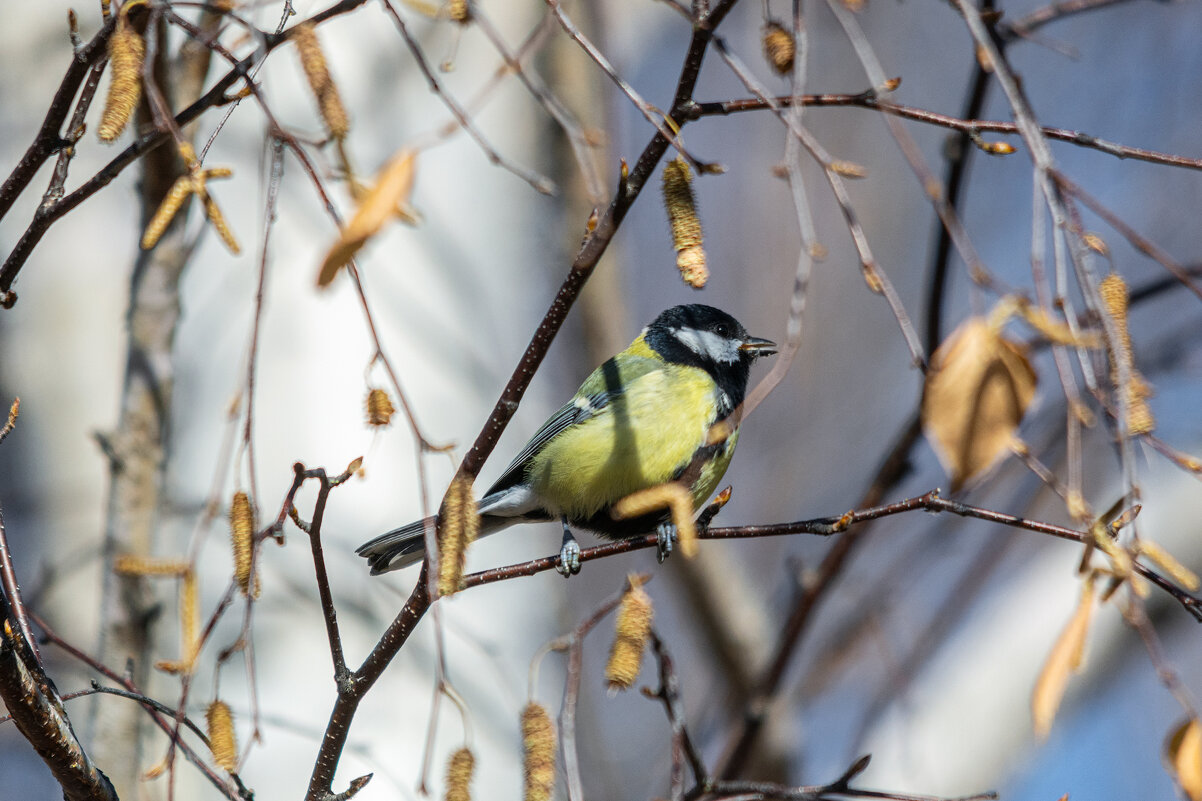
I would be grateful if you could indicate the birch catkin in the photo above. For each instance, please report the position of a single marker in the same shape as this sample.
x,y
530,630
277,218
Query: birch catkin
x,y
317,72
126,54
538,753
684,223
630,637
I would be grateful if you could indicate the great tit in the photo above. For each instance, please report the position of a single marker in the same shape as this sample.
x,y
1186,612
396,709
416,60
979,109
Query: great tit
x,y
639,420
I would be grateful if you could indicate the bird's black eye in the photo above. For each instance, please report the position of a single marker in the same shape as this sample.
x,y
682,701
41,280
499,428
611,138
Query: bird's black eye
x,y
722,330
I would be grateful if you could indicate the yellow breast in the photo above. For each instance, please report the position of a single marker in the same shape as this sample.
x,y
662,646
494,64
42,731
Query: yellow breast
x,y
643,438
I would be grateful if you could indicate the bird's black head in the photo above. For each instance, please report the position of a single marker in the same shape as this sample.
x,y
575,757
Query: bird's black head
x,y
708,338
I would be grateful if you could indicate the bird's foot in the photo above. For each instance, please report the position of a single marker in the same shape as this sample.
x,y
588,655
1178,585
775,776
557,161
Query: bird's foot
x,y
665,538
569,555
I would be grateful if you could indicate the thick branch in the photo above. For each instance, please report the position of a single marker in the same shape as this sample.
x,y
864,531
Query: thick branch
x,y
38,712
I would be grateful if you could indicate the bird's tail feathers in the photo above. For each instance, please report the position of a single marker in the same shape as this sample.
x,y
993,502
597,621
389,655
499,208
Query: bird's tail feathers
x,y
406,545
398,548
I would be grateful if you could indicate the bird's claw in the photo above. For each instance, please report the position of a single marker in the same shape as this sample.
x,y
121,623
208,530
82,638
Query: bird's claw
x,y
569,559
665,537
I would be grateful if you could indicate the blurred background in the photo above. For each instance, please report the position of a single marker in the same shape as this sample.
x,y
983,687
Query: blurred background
x,y
924,650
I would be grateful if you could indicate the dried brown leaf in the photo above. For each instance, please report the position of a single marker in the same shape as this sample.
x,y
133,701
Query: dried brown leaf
x,y
978,388
1183,757
394,184
1065,659
1169,564
671,496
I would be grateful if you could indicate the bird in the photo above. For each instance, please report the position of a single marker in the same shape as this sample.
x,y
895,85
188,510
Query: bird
x,y
639,420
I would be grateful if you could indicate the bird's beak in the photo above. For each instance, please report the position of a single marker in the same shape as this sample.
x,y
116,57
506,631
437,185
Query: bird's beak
x,y
758,347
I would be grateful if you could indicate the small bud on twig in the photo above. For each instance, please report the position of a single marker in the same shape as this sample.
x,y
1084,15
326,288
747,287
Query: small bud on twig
x,y
848,169
995,148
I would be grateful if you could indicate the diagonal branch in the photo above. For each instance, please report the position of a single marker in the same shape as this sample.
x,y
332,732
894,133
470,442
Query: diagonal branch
x,y
38,712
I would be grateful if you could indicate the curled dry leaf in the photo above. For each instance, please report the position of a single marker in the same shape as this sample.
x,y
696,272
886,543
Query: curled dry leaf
x,y
1065,659
394,185
977,391
1183,757
671,496
1169,564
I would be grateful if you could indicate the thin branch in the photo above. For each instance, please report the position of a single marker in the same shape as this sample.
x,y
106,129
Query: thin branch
x,y
682,743
869,100
329,613
649,112
538,182
1140,243
942,200
162,720
877,280
581,148
574,644
48,140
1027,25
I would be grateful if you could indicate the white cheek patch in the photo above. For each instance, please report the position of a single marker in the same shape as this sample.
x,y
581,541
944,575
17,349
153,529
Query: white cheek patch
x,y
708,345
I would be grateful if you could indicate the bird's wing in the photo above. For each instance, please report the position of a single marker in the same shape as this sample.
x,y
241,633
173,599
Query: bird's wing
x,y
599,390
573,412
